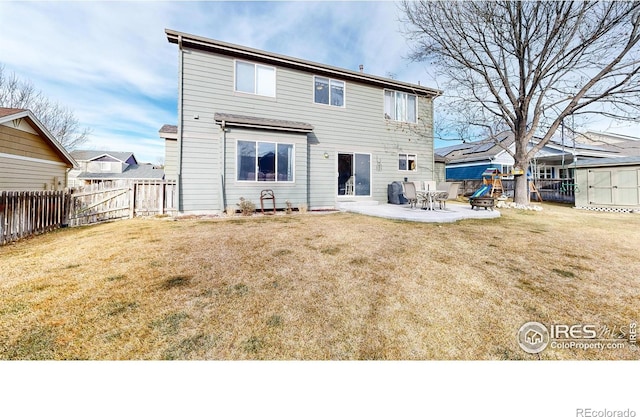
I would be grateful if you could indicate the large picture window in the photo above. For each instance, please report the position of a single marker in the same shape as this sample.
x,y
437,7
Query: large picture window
x,y
265,161
399,106
255,79
328,91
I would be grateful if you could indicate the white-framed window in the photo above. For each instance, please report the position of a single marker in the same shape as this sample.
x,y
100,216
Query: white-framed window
x,y
255,79
264,161
328,91
105,166
545,173
399,106
407,162
566,173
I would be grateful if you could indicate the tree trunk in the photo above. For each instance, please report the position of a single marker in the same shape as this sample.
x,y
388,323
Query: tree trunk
x,y
521,186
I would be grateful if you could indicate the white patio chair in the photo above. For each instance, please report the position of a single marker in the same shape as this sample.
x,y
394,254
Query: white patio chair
x,y
349,186
409,192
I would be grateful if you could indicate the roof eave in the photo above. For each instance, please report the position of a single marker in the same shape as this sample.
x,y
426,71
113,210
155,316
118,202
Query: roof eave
x,y
230,49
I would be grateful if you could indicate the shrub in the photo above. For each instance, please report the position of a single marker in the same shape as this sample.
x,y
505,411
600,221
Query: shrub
x,y
247,208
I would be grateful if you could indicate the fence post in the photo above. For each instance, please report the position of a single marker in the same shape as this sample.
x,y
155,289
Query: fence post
x,y
132,200
162,184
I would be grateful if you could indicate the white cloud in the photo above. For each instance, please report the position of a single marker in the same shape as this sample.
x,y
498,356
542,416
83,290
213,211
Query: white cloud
x,y
111,62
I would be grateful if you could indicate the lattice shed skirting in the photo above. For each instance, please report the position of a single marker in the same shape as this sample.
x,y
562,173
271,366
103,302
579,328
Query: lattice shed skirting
x,y
611,209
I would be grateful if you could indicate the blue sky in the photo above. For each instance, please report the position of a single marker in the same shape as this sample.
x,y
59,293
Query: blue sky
x,y
111,64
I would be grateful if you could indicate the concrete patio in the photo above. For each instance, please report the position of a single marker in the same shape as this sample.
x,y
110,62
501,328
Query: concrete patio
x,y
454,211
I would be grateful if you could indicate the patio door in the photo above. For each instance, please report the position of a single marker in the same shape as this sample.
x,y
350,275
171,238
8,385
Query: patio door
x,y
354,174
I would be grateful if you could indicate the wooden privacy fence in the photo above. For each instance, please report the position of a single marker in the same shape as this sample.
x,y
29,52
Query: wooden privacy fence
x,y
97,203
121,199
26,213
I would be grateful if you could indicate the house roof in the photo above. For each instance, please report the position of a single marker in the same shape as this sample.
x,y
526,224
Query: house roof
x,y
628,160
488,149
211,45
481,150
4,111
262,123
87,155
168,132
9,114
168,129
142,172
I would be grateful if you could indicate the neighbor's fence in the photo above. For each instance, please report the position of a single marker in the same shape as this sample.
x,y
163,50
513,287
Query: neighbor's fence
x,y
121,199
154,198
26,213
98,203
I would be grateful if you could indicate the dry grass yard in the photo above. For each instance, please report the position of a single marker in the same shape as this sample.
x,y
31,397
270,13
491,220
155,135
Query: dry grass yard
x,y
318,286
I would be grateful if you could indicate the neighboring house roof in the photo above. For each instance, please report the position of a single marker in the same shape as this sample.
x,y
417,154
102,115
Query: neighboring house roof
x,y
262,123
625,145
438,158
9,114
482,150
629,160
229,49
142,172
487,149
83,155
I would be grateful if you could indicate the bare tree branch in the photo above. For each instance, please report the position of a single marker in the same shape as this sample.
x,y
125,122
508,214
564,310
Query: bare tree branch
x,y
528,65
59,120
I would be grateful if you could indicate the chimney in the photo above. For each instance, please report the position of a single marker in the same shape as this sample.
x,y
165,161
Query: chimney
x,y
361,68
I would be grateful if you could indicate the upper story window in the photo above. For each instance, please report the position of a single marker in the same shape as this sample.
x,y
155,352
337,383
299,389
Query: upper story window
x,y
328,91
255,79
399,106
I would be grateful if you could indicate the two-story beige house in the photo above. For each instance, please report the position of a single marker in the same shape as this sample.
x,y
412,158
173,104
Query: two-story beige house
x,y
316,135
108,167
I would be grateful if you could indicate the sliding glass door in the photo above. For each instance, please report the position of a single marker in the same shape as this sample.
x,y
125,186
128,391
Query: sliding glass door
x,y
354,174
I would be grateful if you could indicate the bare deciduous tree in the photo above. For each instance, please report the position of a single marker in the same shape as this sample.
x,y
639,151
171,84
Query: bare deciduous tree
x,y
59,120
525,66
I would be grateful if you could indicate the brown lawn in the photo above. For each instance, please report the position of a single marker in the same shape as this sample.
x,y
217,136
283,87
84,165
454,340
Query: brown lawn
x,y
318,286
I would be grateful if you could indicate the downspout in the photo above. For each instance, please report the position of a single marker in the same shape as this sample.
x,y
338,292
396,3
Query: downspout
x,y
179,133
434,172
223,193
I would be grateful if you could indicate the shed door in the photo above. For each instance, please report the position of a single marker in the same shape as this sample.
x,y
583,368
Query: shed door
x,y
600,187
625,187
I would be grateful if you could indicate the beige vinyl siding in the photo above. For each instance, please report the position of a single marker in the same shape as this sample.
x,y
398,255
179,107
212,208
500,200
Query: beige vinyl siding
x,y
170,159
30,175
21,143
358,127
295,192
